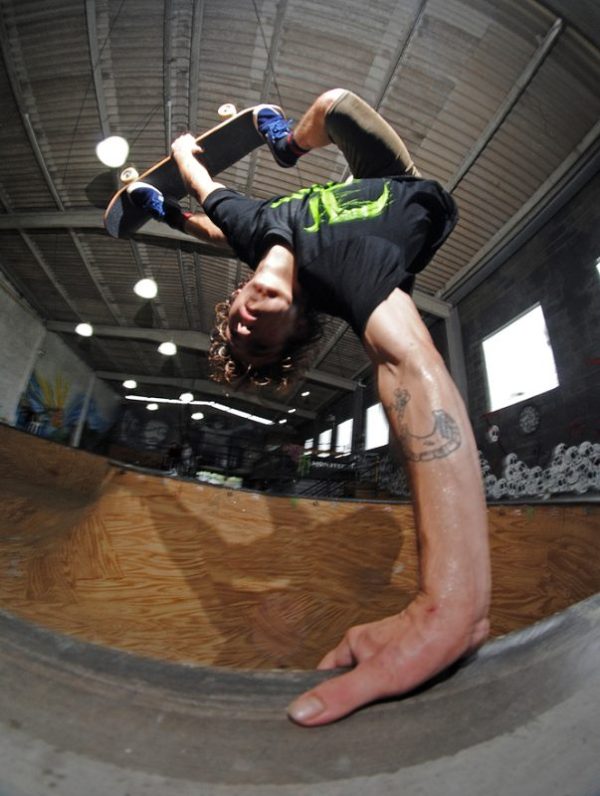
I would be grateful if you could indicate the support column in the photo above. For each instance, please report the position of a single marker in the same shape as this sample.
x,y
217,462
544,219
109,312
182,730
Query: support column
x,y
76,436
358,416
456,354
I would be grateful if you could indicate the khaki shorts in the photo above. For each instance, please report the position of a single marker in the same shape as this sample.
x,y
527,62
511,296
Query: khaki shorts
x,y
369,144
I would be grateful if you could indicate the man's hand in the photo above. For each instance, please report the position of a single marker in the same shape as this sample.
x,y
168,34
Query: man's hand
x,y
185,145
197,180
391,656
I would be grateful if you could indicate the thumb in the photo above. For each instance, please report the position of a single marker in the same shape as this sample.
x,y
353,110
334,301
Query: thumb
x,y
337,697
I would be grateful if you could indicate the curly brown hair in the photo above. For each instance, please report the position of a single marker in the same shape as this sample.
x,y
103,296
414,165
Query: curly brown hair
x,y
224,368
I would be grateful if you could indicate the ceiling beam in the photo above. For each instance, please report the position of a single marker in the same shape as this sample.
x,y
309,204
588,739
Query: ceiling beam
x,y
194,77
578,167
92,218
197,341
185,338
330,380
509,103
398,57
92,29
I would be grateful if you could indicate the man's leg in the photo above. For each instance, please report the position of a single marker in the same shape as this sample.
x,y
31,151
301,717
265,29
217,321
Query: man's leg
x,y
370,145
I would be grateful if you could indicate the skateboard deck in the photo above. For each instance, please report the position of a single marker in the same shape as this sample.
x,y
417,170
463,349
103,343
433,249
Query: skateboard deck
x,y
223,145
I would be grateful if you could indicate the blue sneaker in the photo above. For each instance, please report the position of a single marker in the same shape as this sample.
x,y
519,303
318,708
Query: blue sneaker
x,y
159,207
148,198
276,130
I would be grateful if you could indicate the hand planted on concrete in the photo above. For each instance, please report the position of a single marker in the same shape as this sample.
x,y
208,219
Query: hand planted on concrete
x,y
390,657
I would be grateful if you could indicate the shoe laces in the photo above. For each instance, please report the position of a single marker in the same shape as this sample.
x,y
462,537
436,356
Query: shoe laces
x,y
276,127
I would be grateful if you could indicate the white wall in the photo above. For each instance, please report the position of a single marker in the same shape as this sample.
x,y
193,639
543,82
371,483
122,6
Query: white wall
x,y
39,365
21,336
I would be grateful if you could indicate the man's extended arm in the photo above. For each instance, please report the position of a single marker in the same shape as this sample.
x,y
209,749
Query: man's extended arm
x,y
199,184
448,617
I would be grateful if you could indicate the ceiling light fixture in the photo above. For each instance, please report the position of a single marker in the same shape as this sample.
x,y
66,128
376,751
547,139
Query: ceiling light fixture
x,y
167,349
186,397
152,407
113,151
198,416
84,329
146,288
130,384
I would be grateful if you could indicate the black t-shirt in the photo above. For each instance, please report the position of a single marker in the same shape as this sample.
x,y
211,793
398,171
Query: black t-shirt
x,y
353,242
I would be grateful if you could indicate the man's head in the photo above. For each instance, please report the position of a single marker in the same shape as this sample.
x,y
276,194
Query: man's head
x,y
262,334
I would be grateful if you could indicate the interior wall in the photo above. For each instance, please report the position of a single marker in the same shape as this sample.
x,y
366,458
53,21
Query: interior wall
x,y
21,335
556,268
43,384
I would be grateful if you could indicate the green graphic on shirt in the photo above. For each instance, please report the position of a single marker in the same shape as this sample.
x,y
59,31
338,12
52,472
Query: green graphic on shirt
x,y
333,204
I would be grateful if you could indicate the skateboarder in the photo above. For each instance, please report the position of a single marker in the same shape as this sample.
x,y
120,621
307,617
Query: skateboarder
x,y
353,250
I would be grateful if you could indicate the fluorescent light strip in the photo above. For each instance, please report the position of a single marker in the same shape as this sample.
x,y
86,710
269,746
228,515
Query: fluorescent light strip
x,y
213,404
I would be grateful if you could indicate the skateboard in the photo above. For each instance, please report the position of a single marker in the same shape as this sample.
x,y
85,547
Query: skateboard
x,y
223,145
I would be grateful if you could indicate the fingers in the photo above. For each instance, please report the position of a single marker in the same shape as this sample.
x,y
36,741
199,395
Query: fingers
x,y
186,143
341,695
340,656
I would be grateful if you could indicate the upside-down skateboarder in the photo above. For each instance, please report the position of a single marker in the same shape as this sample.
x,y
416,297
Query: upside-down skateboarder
x,y
352,250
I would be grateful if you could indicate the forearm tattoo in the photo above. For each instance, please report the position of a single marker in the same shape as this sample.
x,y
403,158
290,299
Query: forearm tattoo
x,y
439,443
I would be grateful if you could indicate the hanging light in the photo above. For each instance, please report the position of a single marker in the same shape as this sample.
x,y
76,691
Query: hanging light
x,y
113,151
84,329
130,384
198,416
168,349
146,288
186,397
152,407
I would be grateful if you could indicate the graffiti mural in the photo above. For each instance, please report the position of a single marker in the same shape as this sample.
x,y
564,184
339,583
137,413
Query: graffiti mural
x,y
572,470
51,407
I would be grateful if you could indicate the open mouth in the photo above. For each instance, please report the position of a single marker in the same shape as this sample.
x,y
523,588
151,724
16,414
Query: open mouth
x,y
246,316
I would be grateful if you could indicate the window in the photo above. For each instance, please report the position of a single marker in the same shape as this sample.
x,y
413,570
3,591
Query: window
x,y
343,437
377,432
308,445
518,360
325,442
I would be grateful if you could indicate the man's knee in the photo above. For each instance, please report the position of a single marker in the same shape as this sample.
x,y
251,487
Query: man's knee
x,y
325,101
371,147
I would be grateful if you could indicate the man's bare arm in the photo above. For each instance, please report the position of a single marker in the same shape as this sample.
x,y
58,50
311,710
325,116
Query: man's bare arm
x,y
199,184
448,617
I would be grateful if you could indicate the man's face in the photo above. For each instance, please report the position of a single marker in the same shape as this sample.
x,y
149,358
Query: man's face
x,y
261,320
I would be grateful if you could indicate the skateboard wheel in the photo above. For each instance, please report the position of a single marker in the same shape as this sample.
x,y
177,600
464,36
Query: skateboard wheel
x,y
227,110
129,175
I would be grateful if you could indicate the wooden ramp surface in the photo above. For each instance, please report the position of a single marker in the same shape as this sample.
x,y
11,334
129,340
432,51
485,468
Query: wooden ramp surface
x,y
188,572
